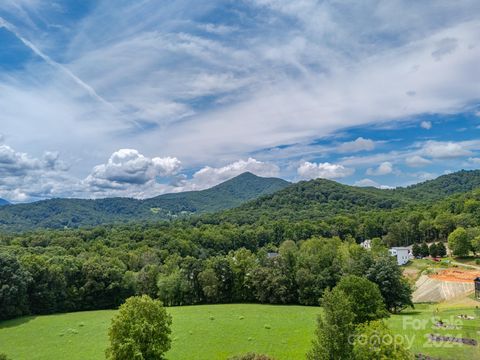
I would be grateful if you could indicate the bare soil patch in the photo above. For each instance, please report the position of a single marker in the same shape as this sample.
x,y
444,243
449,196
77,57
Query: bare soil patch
x,y
456,275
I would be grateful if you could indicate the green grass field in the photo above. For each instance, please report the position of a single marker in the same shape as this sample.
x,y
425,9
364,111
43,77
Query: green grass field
x,y
199,332
218,331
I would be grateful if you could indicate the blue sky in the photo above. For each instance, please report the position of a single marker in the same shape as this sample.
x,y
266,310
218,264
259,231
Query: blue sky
x,y
138,98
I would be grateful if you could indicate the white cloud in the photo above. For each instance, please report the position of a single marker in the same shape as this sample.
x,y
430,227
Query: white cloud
x,y
218,29
417,161
427,125
473,161
424,175
370,183
308,170
367,183
23,177
445,150
360,144
384,168
127,167
205,93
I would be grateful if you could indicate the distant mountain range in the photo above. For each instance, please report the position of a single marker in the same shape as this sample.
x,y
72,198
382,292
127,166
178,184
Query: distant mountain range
x,y
3,202
243,199
320,198
60,213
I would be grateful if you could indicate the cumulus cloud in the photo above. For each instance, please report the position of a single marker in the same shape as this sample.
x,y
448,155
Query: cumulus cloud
x,y
127,167
360,144
384,168
445,149
308,170
473,161
14,163
424,175
23,177
417,161
427,125
210,176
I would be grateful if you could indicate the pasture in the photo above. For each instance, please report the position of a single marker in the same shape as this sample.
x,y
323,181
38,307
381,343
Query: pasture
x,y
214,332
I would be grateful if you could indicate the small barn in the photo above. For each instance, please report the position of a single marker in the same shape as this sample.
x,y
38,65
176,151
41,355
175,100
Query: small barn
x,y
477,288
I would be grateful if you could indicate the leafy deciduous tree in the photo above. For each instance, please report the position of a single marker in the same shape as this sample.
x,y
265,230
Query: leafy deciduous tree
x,y
335,328
374,341
140,331
459,243
395,289
365,297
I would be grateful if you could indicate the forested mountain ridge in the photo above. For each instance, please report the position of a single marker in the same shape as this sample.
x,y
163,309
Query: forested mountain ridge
x,y
60,213
244,199
455,183
229,194
3,202
314,199
320,199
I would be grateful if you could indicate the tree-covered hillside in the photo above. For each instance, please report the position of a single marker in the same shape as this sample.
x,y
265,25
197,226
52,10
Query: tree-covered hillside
x,y
60,213
229,194
3,202
443,186
247,199
314,199
321,199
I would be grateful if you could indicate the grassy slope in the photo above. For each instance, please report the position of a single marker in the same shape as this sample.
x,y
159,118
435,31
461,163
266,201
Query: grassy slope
x,y
80,336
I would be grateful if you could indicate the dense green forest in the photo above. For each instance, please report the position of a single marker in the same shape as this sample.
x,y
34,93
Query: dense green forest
x,y
61,213
287,247
61,271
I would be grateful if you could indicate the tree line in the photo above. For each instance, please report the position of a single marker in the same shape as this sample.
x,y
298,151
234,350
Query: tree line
x,y
100,274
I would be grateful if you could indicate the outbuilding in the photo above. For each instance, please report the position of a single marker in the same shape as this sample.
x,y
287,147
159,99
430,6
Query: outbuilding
x,y
477,288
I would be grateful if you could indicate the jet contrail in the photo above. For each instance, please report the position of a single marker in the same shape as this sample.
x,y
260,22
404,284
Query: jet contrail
x,y
91,91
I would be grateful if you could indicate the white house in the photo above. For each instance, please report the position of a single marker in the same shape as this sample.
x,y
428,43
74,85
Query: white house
x,y
402,254
367,244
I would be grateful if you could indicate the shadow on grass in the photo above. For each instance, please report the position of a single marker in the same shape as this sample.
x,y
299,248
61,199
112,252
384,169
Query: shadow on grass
x,y
16,322
409,313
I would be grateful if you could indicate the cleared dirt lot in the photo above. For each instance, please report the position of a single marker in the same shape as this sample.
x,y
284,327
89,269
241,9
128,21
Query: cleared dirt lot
x,y
456,275
444,285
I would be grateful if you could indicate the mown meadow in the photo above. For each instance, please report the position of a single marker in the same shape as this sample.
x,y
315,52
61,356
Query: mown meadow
x,y
215,332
